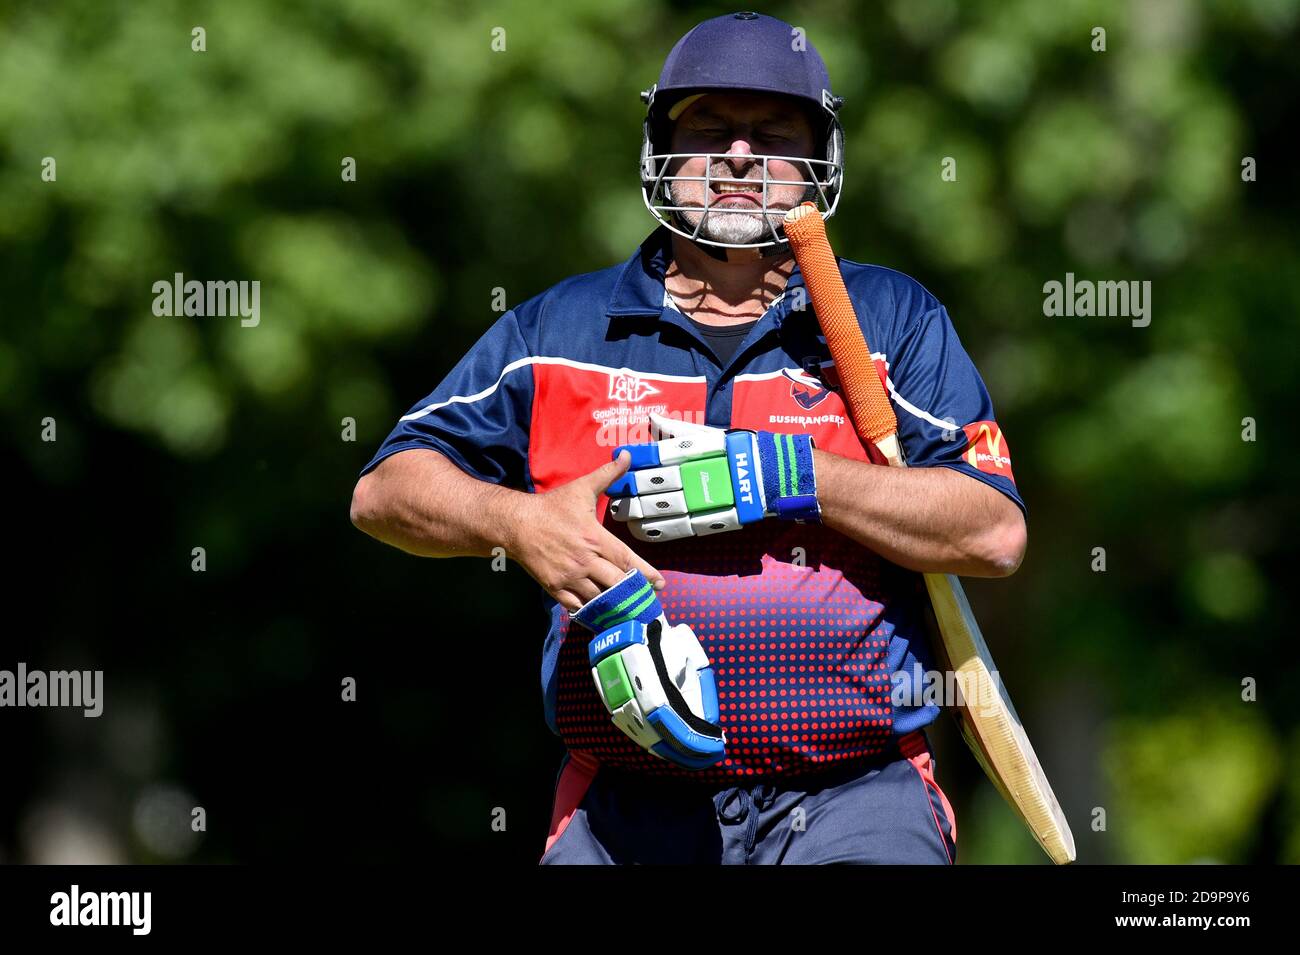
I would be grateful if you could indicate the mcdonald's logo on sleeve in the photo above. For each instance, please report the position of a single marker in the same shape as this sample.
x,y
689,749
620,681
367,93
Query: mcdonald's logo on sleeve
x,y
986,449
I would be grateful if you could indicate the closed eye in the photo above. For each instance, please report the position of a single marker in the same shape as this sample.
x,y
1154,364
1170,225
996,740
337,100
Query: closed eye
x,y
765,134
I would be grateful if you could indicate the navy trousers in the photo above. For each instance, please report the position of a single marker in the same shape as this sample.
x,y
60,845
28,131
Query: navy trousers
x,y
887,811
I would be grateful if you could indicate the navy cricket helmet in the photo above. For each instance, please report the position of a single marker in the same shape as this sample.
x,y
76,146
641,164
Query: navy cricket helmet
x,y
751,53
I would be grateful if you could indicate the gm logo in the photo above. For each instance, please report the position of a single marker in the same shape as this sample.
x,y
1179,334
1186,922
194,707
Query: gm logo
x,y
625,386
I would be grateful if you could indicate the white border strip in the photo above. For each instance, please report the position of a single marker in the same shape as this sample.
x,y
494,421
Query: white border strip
x,y
685,379
902,402
567,362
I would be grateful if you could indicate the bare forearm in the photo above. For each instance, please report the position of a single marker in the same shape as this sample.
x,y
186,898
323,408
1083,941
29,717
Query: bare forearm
x,y
422,503
932,520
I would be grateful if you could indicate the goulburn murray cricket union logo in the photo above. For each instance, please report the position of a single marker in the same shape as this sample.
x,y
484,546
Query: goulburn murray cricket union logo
x,y
624,386
806,390
987,450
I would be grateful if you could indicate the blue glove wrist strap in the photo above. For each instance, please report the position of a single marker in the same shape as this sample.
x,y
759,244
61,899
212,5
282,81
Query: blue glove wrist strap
x,y
632,598
789,483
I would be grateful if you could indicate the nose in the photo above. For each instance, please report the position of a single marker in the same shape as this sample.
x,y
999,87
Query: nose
x,y
740,147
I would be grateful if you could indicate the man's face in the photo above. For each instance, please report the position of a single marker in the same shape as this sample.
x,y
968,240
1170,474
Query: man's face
x,y
746,125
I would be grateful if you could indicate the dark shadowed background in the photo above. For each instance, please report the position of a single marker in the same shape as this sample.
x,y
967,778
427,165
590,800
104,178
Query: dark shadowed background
x,y
481,168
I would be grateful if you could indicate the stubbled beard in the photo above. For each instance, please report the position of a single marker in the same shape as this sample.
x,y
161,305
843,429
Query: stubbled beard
x,y
738,228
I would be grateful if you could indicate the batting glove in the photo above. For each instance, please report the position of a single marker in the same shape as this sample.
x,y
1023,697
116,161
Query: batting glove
x,y
654,679
701,480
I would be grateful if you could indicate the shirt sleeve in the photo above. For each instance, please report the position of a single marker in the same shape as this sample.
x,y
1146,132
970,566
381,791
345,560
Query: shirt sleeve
x,y
945,414
479,415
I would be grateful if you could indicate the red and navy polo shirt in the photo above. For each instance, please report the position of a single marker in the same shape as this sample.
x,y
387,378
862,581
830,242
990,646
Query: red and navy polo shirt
x,y
806,629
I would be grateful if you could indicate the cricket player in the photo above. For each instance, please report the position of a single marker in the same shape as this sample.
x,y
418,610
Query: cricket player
x,y
776,606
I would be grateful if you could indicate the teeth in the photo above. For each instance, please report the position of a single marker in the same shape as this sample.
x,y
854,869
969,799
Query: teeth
x,y
727,187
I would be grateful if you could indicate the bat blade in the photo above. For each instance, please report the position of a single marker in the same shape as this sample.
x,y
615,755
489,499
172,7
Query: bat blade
x,y
989,722
985,715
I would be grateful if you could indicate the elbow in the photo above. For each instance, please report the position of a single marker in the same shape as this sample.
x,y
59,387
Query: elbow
x,y
362,511
1003,547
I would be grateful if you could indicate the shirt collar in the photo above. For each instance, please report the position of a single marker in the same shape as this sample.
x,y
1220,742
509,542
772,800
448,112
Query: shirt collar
x,y
640,286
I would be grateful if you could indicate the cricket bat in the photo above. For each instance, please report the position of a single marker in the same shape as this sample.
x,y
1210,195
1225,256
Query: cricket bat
x,y
984,712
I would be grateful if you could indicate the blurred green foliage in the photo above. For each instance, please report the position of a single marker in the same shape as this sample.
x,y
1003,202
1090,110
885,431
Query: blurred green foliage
x,y
480,168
